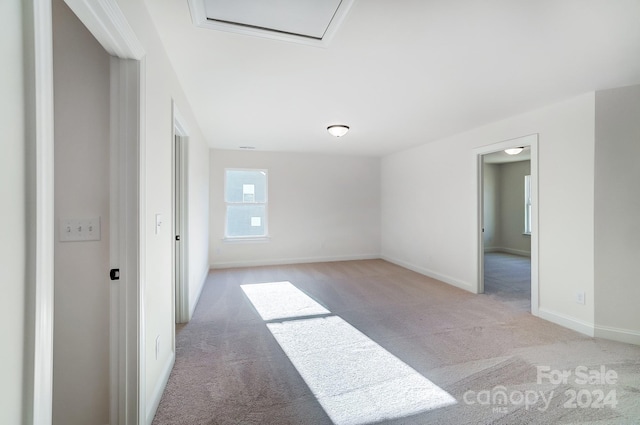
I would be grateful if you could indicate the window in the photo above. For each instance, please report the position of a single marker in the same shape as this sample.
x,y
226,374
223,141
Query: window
x,y
245,195
527,205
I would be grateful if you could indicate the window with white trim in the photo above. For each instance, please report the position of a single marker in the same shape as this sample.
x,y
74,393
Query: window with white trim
x,y
527,205
245,195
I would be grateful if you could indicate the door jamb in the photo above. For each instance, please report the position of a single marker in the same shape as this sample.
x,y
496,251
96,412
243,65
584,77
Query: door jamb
x,y
39,139
180,153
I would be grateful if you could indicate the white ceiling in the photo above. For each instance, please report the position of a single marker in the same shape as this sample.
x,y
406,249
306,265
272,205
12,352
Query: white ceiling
x,y
399,73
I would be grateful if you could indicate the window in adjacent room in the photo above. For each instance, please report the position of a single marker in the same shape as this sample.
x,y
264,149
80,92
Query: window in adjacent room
x,y
527,205
245,195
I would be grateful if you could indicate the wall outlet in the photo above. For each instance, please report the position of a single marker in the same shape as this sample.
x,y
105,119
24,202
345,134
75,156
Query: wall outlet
x,y
580,297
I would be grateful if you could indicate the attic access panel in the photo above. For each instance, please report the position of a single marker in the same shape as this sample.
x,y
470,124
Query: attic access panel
x,y
304,21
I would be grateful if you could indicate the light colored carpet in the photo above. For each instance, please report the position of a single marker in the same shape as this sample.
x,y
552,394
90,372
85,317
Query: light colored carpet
x,y
230,369
507,278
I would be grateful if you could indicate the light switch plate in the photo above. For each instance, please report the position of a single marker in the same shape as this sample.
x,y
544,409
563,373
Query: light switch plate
x,y
158,223
79,229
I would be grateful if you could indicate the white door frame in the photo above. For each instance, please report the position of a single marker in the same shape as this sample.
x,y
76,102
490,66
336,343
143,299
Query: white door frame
x,y
107,23
478,153
180,178
38,364
126,321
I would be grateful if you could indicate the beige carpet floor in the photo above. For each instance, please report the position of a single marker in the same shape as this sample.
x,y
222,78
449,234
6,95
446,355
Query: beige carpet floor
x,y
507,278
231,370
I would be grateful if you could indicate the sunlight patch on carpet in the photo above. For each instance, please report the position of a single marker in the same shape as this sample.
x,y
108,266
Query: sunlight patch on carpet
x,y
281,300
354,379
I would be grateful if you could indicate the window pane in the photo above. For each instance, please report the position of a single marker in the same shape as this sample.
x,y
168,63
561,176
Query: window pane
x,y
246,220
246,186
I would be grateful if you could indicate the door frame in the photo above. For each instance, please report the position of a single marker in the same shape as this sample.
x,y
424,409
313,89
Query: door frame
x,y
109,26
39,140
180,179
478,153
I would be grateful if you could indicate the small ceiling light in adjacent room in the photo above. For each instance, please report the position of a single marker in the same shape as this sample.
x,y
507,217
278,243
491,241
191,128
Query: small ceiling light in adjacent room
x,y
338,130
513,151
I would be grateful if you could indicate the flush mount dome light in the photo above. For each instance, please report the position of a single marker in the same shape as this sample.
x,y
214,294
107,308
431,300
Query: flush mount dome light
x,y
513,151
338,130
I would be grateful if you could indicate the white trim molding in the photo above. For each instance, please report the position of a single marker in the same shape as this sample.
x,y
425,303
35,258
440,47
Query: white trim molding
x,y
284,261
126,310
569,322
531,141
38,36
105,20
159,388
199,17
519,252
617,334
180,214
432,274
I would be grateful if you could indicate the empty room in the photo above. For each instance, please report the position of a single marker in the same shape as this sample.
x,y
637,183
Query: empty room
x,y
321,212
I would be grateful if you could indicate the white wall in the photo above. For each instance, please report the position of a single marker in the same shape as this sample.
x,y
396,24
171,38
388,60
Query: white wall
x,y
617,206
321,207
198,238
161,88
512,208
81,295
429,211
491,204
12,214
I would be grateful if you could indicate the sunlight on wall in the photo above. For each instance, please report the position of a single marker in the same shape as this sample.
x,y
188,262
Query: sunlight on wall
x,y
354,379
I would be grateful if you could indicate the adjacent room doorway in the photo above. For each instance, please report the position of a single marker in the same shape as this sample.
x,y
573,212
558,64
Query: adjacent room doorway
x,y
507,222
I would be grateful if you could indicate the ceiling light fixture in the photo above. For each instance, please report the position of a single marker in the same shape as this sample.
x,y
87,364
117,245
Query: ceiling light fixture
x,y
513,151
338,130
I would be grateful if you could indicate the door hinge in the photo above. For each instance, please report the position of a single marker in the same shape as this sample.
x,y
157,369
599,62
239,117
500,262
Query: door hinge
x,y
114,274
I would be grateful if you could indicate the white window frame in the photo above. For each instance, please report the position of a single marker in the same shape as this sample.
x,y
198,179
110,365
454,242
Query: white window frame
x,y
527,205
249,238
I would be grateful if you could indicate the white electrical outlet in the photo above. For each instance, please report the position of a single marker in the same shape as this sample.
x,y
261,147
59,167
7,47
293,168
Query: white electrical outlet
x,y
79,229
580,297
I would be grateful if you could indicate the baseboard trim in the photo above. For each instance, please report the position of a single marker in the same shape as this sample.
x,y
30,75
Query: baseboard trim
x,y
618,334
284,261
154,402
430,273
569,322
202,280
509,251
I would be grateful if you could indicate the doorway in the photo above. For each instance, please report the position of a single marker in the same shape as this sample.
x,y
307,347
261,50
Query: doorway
x,y
507,222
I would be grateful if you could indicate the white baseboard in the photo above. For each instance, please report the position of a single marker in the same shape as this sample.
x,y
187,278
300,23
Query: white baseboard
x,y
283,261
154,402
509,251
202,280
569,322
617,334
430,273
